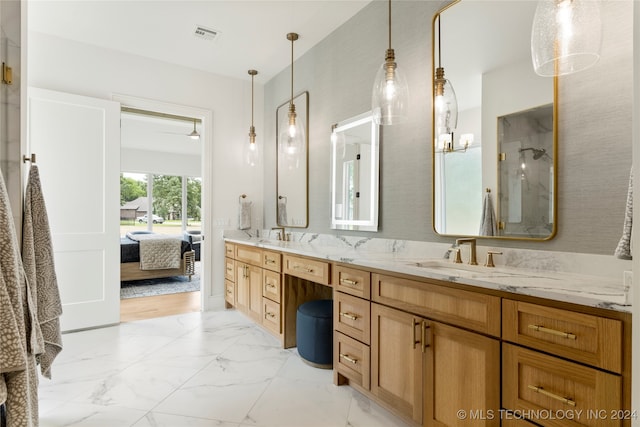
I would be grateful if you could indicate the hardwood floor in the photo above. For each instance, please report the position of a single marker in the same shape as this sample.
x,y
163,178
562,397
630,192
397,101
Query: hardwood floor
x,y
158,306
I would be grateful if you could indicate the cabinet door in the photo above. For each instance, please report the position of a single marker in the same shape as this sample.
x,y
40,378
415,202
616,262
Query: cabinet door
x,y
463,374
242,287
397,362
255,293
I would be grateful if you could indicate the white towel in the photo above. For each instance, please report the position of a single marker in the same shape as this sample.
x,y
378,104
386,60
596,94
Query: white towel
x,y
623,250
244,215
488,221
282,211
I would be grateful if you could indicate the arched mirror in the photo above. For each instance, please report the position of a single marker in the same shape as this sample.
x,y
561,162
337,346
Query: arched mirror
x,y
495,167
354,174
292,179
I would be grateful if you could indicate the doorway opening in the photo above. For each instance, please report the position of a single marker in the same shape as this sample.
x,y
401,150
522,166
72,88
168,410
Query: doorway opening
x,y
161,185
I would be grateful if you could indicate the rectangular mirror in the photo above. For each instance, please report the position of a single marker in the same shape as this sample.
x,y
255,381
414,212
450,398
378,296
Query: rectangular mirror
x,y
354,174
504,111
292,177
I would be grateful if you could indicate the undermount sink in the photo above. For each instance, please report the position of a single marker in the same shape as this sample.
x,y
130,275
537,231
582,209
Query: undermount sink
x,y
465,270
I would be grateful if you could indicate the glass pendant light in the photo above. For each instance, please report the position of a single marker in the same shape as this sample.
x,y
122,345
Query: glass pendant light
x,y
291,134
445,105
251,147
390,98
566,36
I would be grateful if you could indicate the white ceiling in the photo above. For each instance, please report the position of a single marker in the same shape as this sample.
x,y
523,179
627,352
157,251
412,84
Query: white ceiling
x,y
252,35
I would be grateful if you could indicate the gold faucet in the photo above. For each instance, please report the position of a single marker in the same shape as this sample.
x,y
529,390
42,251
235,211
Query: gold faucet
x,y
472,245
281,234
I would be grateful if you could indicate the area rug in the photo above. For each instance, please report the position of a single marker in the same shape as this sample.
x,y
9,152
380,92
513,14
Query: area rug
x,y
164,286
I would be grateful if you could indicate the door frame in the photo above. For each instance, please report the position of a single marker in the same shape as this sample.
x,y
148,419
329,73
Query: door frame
x,y
206,159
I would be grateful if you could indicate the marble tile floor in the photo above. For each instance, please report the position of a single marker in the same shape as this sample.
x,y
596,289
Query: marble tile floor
x,y
195,370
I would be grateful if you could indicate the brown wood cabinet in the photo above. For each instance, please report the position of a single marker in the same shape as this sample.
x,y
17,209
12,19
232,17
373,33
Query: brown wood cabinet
x,y
253,285
462,374
427,349
397,360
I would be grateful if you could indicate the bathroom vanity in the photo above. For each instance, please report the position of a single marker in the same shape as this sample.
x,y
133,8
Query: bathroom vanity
x,y
443,344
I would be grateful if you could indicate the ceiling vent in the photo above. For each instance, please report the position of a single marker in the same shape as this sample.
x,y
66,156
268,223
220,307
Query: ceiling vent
x,y
206,33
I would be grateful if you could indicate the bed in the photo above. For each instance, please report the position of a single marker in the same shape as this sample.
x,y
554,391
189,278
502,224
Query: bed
x,y
131,268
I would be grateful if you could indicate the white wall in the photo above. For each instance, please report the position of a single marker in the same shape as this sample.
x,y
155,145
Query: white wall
x,y
72,67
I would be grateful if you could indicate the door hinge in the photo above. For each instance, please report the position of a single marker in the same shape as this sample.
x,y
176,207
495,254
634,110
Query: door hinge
x,y
502,157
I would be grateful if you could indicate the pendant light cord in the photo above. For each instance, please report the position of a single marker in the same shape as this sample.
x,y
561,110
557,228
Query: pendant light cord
x,y
252,76
291,102
389,24
439,43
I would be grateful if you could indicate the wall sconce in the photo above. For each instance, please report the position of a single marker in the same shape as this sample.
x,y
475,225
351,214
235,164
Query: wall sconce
x,y
390,98
292,136
566,36
446,144
251,147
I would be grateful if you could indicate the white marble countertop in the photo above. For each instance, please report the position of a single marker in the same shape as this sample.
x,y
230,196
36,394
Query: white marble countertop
x,y
574,288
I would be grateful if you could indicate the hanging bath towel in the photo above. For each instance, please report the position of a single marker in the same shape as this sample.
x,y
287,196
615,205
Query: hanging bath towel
x,y
244,215
282,211
37,257
623,250
19,326
488,220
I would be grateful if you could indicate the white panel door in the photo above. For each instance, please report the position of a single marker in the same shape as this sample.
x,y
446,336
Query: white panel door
x,y
77,143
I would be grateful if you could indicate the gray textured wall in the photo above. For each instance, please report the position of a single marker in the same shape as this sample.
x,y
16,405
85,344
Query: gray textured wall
x,y
595,122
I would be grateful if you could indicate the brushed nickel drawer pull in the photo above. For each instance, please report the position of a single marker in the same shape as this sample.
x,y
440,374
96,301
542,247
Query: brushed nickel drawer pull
x,y
229,291
349,358
349,315
229,269
415,340
305,269
269,261
567,335
270,286
348,282
270,314
544,392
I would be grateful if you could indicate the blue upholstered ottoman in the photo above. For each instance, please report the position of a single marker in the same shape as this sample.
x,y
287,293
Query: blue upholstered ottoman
x,y
314,333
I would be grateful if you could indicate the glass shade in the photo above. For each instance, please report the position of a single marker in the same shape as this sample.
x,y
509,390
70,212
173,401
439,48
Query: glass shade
x,y
446,110
251,151
390,96
291,140
566,36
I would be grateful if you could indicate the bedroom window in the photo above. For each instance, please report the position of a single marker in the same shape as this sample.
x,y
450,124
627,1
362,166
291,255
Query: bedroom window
x,y
173,208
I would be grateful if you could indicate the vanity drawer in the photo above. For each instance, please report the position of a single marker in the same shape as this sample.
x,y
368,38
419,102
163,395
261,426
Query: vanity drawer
x,y
533,383
272,260
352,281
230,269
585,338
230,292
471,310
229,250
271,285
352,316
249,254
271,316
312,270
351,358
